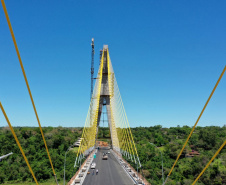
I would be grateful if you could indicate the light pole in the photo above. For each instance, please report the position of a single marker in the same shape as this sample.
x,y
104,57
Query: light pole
x,y
137,171
162,161
2,157
65,161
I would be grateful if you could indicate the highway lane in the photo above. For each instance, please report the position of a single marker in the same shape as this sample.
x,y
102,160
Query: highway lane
x,y
110,172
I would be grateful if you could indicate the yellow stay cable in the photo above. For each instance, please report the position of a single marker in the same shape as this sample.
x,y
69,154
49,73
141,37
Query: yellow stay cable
x,y
86,131
113,120
21,64
18,143
218,151
123,127
85,134
81,140
89,133
126,136
126,145
119,118
93,115
196,122
113,106
98,98
94,127
127,122
113,128
129,139
131,135
119,108
116,106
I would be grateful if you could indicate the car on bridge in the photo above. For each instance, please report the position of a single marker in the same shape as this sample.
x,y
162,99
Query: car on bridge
x,y
93,166
105,157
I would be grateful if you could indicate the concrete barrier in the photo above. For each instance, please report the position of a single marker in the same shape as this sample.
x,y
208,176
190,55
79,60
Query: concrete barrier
x,y
128,169
130,172
77,180
83,169
80,175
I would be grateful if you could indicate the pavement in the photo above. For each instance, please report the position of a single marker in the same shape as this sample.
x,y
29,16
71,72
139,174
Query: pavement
x,y
109,171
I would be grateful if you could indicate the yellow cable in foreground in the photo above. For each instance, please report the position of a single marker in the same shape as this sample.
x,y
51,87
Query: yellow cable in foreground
x,y
218,151
17,141
21,64
196,122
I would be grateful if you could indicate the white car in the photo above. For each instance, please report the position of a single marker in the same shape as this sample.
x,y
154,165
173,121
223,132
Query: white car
x,y
109,152
93,166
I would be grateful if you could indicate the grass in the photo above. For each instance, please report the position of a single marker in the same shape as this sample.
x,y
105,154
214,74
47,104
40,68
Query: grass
x,y
161,148
48,182
75,149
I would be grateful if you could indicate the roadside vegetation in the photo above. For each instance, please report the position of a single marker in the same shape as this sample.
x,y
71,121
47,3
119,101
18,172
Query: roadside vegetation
x,y
13,169
203,144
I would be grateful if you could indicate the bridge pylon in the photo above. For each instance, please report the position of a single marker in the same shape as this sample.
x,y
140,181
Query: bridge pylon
x,y
106,93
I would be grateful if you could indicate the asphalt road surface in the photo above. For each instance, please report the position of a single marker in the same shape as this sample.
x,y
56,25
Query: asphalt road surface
x,y
110,172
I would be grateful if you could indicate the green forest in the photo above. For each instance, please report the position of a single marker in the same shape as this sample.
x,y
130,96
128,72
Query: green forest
x,y
204,142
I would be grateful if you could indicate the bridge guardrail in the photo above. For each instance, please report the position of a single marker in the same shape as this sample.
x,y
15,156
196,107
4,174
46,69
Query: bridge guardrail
x,y
82,172
128,170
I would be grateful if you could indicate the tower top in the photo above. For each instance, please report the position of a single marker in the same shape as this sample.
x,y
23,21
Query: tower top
x,y
105,47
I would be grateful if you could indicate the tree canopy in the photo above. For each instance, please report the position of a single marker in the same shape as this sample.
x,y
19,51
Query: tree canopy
x,y
205,141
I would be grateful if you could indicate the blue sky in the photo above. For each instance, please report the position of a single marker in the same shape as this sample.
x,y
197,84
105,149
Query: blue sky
x,y
167,57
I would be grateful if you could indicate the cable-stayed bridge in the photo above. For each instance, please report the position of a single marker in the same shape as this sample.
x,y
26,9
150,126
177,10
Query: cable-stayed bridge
x,y
106,93
115,170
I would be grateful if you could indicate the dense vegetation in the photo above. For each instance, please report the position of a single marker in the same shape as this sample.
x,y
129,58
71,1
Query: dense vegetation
x,y
14,168
205,140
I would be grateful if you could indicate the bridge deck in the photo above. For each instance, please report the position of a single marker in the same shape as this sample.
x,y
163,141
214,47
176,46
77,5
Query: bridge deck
x,y
110,172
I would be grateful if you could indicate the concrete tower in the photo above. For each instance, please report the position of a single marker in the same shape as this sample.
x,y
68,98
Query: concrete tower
x,y
105,98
